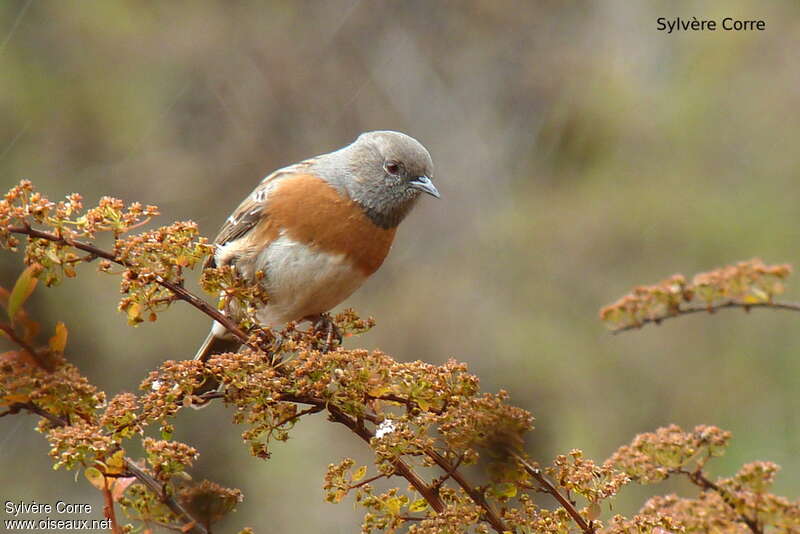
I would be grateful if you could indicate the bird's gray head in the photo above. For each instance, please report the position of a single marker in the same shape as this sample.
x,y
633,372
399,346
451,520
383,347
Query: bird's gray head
x,y
384,172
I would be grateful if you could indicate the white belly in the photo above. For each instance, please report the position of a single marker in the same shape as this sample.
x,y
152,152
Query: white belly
x,y
303,281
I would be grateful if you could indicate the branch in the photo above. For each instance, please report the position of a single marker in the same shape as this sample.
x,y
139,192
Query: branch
x,y
402,468
41,362
108,508
168,500
536,473
180,292
429,492
746,306
136,471
474,493
439,481
700,480
407,402
368,481
314,409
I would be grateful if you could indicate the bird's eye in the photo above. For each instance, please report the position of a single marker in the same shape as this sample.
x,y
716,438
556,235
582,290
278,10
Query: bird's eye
x,y
393,167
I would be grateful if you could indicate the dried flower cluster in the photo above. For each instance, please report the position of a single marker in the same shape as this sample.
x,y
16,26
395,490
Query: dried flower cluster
x,y
747,284
209,502
241,301
594,482
424,423
79,444
652,457
154,256
737,504
168,458
60,392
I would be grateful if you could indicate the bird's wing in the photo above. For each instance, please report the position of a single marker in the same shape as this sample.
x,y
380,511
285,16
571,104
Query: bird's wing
x,y
244,217
253,208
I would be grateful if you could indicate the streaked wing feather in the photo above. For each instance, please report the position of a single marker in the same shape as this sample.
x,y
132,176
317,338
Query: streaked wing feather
x,y
252,209
245,217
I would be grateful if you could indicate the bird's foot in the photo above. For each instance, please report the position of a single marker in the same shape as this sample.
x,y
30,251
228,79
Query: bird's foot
x,y
274,351
327,332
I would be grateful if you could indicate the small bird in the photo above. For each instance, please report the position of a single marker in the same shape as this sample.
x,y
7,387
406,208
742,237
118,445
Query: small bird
x,y
313,232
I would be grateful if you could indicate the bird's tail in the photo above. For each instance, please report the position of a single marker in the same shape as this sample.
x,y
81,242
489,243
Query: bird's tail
x,y
215,345
211,346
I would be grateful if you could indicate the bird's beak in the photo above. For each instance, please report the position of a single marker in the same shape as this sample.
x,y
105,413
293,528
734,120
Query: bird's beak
x,y
424,184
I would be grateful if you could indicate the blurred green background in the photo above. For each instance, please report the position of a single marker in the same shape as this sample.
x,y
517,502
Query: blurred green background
x,y
579,152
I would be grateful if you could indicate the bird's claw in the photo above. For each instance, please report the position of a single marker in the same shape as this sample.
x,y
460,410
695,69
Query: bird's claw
x,y
324,325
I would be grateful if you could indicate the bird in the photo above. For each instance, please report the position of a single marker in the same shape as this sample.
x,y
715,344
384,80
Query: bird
x,y
313,232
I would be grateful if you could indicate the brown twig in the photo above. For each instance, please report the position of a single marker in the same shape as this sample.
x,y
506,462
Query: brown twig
x,y
474,493
31,407
407,402
401,468
536,473
699,479
134,470
430,492
176,289
298,415
747,306
367,481
108,508
12,410
82,259
439,481
41,362
168,500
